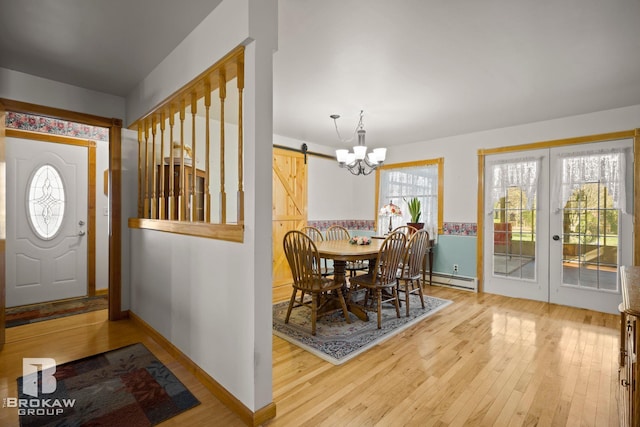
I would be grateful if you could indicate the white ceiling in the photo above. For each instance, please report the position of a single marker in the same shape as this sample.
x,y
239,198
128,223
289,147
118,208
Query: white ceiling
x,y
420,69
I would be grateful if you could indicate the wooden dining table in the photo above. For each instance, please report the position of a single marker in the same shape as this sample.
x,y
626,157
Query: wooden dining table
x,y
341,252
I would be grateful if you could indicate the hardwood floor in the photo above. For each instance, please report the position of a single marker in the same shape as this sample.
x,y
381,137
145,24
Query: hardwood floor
x,y
485,360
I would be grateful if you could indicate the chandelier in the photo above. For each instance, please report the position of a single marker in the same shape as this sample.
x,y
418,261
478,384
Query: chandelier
x,y
358,162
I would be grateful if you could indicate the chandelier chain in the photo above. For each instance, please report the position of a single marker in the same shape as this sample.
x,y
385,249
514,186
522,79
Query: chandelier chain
x,y
360,125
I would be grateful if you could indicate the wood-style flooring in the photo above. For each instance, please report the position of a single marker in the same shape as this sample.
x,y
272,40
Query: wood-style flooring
x,y
485,360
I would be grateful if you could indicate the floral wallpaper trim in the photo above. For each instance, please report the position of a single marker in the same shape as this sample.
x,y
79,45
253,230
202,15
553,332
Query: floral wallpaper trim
x,y
350,224
33,123
460,228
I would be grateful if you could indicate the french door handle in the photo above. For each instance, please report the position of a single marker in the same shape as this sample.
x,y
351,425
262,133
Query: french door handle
x,y
556,237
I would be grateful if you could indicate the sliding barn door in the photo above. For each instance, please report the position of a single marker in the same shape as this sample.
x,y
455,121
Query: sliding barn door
x,y
289,206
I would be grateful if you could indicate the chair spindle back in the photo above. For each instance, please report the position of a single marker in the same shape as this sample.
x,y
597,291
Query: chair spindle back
x,y
304,261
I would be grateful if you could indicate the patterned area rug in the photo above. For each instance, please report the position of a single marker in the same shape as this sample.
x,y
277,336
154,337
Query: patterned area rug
x,y
123,387
336,341
23,315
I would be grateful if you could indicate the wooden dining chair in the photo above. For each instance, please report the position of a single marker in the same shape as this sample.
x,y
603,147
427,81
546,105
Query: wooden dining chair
x,y
316,236
381,282
302,256
408,230
338,232
411,268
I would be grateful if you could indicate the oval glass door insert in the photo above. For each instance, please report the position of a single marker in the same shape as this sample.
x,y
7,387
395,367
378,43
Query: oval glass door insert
x,y
46,202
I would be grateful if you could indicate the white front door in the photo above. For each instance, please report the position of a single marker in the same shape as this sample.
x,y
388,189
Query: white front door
x,y
555,227
46,250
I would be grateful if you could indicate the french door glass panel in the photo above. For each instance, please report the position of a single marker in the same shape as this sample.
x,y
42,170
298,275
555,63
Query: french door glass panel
x,y
514,218
590,222
590,239
514,228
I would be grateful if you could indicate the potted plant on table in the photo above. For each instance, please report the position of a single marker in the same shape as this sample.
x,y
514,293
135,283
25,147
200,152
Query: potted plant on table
x,y
415,211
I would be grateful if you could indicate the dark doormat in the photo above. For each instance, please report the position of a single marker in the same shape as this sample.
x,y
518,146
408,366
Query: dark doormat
x,y
23,315
124,387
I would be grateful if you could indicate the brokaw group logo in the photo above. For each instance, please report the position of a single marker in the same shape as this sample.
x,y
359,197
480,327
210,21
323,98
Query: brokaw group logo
x,y
34,369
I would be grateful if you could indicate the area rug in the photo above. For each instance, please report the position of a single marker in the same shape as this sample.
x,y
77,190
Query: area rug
x,y
336,341
123,387
23,315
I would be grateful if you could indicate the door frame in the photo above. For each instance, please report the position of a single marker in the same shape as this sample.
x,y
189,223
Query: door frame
x,y
115,195
482,153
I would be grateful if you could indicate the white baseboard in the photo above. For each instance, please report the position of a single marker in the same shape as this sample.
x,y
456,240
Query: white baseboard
x,y
455,281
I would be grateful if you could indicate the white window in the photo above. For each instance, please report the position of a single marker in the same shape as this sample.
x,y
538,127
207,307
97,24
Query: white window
x,y
404,181
46,202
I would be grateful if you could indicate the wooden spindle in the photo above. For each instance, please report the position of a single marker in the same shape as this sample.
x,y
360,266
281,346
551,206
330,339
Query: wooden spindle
x,y
146,169
194,173
162,181
182,202
140,177
240,78
207,194
154,171
172,165
223,195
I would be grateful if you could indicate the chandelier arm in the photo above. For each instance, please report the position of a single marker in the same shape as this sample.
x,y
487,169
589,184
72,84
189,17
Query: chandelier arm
x,y
361,168
351,169
368,173
372,166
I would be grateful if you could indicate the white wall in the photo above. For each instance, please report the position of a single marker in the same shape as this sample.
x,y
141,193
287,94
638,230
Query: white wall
x,y
210,298
461,152
36,90
102,217
218,34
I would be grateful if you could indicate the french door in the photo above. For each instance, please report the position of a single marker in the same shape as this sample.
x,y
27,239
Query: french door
x,y
558,224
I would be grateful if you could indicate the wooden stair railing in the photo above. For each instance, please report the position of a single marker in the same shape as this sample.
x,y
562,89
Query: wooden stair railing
x,y
174,180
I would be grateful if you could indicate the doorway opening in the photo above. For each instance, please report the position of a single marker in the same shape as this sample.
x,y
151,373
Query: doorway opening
x,y
41,118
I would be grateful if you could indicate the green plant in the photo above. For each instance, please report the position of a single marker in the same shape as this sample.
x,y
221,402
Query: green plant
x,y
414,209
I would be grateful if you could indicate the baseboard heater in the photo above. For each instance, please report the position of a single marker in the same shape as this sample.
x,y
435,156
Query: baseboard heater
x,y
454,281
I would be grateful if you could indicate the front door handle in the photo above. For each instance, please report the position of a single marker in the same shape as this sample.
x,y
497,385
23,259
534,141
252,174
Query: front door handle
x,y
556,237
